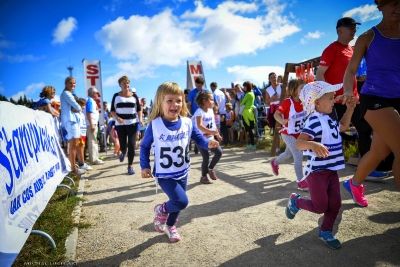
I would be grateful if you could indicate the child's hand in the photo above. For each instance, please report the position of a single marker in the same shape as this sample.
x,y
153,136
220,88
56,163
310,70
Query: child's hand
x,y
146,173
320,150
219,137
284,122
213,144
351,104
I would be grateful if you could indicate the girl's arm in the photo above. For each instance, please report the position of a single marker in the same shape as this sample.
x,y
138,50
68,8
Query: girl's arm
x,y
50,110
145,148
199,139
201,127
302,143
279,118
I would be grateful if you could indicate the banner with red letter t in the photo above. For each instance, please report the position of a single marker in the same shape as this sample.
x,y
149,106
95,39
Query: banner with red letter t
x,y
194,70
92,78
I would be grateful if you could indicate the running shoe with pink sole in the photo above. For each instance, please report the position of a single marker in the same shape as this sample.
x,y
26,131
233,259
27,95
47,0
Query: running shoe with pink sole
x,y
172,233
356,192
159,219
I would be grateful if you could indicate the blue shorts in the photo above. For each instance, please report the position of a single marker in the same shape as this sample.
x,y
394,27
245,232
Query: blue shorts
x,y
73,130
138,128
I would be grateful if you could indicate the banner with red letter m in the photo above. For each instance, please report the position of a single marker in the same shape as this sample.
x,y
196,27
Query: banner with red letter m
x,y
32,164
92,76
194,70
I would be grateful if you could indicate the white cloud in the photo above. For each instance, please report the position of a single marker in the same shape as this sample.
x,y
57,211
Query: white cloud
x,y
62,33
19,58
311,35
353,42
6,44
256,75
364,13
231,29
31,91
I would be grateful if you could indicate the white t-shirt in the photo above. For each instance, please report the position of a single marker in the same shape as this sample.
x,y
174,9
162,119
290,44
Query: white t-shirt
x,y
271,92
94,111
82,122
221,99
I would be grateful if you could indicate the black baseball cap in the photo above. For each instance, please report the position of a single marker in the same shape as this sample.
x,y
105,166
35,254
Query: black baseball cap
x,y
345,22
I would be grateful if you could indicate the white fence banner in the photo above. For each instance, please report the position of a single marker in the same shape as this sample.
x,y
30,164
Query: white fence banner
x,y
92,75
32,164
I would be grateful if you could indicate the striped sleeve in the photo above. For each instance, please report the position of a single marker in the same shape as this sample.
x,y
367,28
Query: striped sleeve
x,y
313,128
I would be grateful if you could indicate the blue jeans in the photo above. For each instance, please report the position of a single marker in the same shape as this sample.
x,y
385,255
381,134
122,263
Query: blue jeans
x,y
178,200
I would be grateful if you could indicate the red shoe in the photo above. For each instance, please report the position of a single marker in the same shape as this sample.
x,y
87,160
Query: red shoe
x,y
212,174
204,180
275,167
303,186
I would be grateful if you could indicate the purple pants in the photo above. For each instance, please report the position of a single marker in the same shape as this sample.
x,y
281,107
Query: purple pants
x,y
325,197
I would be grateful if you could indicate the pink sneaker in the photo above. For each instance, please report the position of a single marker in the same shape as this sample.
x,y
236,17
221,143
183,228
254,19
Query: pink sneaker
x,y
303,186
172,233
357,192
159,219
275,167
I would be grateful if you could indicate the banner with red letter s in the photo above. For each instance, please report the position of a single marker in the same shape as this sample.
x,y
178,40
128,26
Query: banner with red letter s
x,y
92,78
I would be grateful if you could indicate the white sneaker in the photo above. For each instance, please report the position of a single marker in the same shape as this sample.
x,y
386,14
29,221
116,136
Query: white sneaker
x,y
98,162
79,172
85,167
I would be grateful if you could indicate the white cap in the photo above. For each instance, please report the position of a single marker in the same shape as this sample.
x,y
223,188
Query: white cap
x,y
132,89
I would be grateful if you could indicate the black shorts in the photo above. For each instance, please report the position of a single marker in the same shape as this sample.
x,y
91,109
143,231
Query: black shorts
x,y
370,102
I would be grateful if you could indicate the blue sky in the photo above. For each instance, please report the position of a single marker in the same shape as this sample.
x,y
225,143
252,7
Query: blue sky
x,y
151,40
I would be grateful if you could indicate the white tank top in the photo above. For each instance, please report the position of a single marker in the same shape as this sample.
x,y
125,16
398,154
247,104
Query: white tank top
x,y
296,120
171,149
229,116
207,120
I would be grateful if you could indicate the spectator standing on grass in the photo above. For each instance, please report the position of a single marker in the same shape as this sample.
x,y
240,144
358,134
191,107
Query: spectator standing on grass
x,y
127,113
82,140
322,143
291,116
170,131
333,64
70,121
380,98
92,120
272,98
221,98
248,114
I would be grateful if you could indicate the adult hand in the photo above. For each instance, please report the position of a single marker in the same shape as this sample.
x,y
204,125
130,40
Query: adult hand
x,y
93,128
146,173
347,97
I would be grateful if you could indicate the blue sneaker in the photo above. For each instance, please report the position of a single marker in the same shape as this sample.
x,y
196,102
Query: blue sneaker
x,y
329,239
375,175
121,157
130,170
291,208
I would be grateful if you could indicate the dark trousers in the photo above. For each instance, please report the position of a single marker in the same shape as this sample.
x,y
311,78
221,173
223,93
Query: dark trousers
x,y
206,157
325,197
249,130
127,132
178,200
224,130
364,130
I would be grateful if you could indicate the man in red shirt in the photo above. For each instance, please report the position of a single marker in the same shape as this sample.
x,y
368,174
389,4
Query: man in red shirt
x,y
333,64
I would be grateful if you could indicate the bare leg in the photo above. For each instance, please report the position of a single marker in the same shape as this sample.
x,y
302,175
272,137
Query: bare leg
x,y
73,143
80,153
386,125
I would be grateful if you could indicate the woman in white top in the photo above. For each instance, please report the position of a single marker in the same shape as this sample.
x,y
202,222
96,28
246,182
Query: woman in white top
x,y
272,98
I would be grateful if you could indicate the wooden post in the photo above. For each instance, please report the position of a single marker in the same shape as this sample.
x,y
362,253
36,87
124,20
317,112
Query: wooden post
x,y
289,67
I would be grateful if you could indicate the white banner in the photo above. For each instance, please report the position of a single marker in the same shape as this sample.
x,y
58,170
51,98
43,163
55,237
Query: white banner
x,y
194,70
32,164
92,76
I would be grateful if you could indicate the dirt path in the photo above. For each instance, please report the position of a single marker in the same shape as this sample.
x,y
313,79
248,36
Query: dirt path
x,y
239,220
